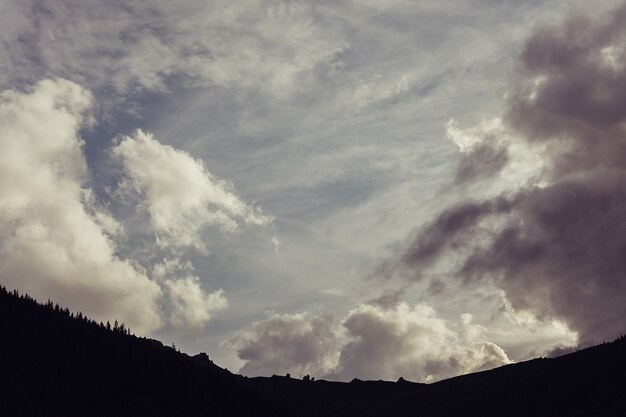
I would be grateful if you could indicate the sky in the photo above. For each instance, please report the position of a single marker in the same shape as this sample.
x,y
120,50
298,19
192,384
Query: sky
x,y
348,189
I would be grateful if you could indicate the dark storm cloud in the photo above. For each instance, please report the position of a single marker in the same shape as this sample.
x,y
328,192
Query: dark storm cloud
x,y
450,230
563,254
581,95
559,249
482,161
388,299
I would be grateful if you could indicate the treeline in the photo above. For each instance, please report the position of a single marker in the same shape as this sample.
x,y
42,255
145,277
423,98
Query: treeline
x,y
54,362
116,327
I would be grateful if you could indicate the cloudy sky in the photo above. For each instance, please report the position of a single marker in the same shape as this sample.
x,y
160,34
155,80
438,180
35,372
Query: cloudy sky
x,y
353,188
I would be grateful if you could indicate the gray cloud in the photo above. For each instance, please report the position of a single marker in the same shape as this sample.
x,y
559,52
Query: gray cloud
x,y
561,254
555,246
450,230
299,344
482,161
576,96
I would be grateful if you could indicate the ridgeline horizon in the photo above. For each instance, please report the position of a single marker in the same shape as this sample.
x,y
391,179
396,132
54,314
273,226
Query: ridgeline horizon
x,y
56,362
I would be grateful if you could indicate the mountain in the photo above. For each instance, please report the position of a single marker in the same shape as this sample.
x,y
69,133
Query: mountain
x,y
55,363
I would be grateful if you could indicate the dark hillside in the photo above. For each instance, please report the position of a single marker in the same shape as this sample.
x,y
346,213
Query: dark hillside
x,y
54,363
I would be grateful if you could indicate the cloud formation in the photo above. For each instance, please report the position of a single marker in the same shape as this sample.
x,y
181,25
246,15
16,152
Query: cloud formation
x,y
192,307
130,46
555,244
373,342
181,197
59,241
300,344
327,113
415,343
55,241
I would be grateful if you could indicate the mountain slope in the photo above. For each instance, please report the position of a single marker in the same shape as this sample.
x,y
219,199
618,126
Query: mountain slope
x,y
55,364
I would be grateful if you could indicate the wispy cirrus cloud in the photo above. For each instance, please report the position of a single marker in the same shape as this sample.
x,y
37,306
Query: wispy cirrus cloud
x,y
128,47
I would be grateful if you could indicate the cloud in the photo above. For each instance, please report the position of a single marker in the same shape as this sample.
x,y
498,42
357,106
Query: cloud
x,y
300,344
127,47
192,307
373,342
555,245
181,197
491,151
525,336
413,342
451,231
55,241
490,159
327,113
186,303
58,240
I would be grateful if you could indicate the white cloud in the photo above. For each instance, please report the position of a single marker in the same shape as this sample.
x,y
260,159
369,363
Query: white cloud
x,y
276,245
373,342
58,241
413,342
53,242
180,195
526,336
192,306
189,306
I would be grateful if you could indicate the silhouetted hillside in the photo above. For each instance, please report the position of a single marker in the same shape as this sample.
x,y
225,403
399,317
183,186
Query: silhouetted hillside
x,y
53,363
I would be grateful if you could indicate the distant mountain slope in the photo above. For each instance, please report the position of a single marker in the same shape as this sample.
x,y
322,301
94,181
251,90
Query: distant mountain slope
x,y
55,364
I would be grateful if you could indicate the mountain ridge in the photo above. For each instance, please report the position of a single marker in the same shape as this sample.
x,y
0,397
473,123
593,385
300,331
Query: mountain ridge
x,y
56,363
